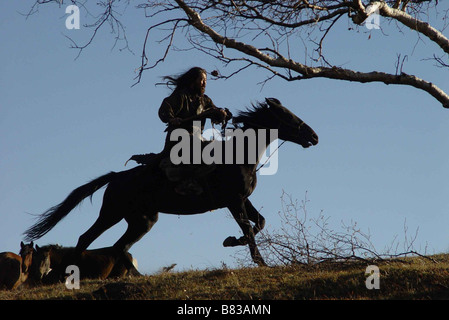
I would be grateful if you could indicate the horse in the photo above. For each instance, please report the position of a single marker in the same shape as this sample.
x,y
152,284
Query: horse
x,y
14,268
40,266
139,194
93,264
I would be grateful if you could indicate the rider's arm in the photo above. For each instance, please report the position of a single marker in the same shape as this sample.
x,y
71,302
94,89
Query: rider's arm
x,y
220,113
170,108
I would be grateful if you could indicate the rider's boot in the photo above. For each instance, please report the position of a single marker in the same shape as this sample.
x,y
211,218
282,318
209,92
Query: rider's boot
x,y
147,158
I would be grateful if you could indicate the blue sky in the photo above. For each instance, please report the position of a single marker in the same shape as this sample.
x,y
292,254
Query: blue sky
x,y
382,160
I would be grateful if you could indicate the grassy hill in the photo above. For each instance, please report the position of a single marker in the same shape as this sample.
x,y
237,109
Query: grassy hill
x,y
405,278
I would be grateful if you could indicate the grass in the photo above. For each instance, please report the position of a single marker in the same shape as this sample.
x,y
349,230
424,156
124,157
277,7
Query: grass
x,y
405,278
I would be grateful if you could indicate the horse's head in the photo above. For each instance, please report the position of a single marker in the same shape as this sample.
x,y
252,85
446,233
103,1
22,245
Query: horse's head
x,y
273,115
41,262
290,127
26,252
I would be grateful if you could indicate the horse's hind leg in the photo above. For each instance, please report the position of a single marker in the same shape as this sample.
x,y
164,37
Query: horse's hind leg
x,y
108,217
138,226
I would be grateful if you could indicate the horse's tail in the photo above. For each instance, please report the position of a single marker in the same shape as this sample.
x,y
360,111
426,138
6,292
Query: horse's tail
x,y
55,214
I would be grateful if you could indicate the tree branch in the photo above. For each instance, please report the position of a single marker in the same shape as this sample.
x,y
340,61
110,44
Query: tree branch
x,y
404,18
307,72
223,24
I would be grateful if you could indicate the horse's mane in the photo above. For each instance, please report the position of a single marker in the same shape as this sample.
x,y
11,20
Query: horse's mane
x,y
255,114
55,246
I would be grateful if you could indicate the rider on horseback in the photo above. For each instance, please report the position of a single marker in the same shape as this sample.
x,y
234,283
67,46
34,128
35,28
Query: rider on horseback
x,y
187,103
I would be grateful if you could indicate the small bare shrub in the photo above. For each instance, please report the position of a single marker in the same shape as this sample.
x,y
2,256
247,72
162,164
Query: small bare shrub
x,y
309,240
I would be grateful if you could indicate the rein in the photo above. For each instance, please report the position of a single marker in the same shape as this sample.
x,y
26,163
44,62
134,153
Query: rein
x,y
266,161
270,156
259,126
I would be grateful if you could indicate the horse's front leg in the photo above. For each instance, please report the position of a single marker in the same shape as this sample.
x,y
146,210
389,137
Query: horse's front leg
x,y
254,216
238,211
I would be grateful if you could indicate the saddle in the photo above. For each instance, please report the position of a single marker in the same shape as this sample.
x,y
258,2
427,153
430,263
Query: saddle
x,y
188,177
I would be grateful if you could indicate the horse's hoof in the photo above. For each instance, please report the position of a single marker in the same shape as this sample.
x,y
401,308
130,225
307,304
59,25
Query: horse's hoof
x,y
230,242
260,262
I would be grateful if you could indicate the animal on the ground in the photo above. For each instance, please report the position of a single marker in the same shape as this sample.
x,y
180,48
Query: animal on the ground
x,y
139,194
14,268
93,264
40,266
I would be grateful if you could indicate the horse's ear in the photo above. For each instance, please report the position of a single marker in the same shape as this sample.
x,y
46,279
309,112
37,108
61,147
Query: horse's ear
x,y
273,102
22,244
32,244
37,247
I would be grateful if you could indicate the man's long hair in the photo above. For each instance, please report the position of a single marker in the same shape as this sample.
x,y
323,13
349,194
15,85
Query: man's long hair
x,y
184,80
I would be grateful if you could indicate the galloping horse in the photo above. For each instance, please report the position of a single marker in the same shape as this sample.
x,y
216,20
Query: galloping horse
x,y
14,268
139,194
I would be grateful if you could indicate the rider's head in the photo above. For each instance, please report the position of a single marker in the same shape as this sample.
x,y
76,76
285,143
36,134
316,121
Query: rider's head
x,y
193,80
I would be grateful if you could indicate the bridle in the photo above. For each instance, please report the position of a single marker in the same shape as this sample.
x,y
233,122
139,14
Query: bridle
x,y
281,122
288,124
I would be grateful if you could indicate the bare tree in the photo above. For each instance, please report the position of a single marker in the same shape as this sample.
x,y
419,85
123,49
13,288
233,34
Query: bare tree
x,y
230,30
